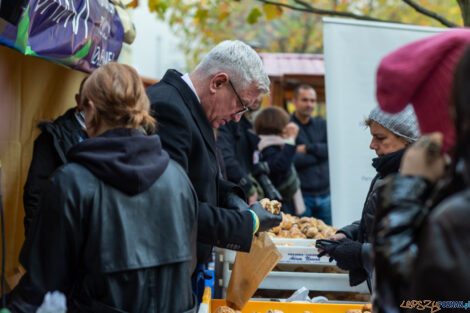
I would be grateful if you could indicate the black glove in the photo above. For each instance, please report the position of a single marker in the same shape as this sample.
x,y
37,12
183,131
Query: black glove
x,y
266,220
260,168
234,202
346,252
326,245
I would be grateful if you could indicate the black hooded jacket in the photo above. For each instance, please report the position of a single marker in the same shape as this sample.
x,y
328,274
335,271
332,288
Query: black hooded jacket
x,y
116,231
362,230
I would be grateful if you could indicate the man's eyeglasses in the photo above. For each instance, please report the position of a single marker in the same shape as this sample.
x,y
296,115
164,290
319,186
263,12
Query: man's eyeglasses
x,y
245,108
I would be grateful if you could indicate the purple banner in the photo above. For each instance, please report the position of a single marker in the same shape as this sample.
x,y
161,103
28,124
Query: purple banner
x,y
81,34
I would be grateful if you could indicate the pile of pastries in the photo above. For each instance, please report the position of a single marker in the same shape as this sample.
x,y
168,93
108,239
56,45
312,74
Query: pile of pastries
x,y
305,227
295,227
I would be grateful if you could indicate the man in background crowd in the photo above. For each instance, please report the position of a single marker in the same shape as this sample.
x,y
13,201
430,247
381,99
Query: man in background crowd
x,y
311,159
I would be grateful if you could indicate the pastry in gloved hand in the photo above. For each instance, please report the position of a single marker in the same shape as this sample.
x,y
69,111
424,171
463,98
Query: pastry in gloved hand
x,y
346,252
266,220
273,206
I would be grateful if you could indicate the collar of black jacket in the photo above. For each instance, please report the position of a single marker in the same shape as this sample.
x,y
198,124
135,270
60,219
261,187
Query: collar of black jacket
x,y
389,163
294,119
65,131
173,77
124,158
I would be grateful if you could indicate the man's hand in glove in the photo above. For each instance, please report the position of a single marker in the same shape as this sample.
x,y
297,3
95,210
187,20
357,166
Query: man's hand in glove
x,y
346,252
265,219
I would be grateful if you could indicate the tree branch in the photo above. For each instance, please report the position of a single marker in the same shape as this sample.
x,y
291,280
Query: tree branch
x,y
337,13
430,13
305,7
295,8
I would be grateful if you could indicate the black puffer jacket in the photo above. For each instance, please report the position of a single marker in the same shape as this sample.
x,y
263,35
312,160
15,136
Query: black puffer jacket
x,y
362,230
116,231
422,248
50,149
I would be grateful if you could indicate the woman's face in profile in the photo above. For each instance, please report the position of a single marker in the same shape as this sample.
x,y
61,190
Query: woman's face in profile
x,y
384,141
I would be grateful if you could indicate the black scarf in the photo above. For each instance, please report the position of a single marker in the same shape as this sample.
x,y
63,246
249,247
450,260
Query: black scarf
x,y
389,163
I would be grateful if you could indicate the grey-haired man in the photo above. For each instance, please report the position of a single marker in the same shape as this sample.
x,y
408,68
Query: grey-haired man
x,y
188,107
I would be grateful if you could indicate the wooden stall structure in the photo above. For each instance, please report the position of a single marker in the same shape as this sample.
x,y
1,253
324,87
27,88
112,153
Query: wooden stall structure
x,y
31,90
288,70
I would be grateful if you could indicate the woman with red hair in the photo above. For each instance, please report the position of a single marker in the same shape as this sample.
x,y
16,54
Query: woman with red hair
x,y
115,231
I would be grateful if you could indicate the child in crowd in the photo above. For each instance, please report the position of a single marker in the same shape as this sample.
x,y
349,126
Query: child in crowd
x,y
277,148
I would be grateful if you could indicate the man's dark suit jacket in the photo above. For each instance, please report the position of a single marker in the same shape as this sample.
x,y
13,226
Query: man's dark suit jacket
x,y
188,137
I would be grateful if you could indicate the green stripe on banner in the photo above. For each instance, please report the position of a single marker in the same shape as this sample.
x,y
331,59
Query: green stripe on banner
x,y
29,51
83,52
22,35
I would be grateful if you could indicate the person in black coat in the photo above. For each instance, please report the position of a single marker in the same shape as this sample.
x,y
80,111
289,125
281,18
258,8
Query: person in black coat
x,y
238,143
221,88
49,153
116,227
391,134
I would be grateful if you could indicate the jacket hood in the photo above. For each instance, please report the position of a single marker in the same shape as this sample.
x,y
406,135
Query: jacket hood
x,y
124,158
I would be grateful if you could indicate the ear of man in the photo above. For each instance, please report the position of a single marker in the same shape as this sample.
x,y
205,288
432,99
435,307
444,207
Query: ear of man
x,y
77,99
218,81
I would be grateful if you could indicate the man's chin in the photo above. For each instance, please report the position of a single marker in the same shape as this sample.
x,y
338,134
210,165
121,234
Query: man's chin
x,y
217,124
254,108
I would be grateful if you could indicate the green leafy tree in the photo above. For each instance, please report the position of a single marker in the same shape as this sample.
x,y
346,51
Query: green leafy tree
x,y
291,25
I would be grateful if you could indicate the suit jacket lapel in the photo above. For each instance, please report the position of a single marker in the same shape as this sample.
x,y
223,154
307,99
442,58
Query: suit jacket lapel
x,y
173,78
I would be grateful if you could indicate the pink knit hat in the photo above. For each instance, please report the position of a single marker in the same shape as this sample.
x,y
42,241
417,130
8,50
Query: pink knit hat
x,y
421,73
